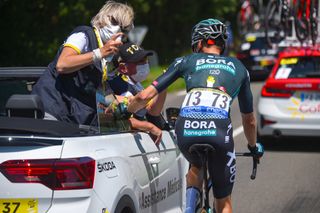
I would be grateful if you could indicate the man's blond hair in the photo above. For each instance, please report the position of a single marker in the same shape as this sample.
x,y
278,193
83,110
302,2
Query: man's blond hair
x,y
122,13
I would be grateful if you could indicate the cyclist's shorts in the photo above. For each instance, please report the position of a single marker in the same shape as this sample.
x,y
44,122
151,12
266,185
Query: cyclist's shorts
x,y
218,133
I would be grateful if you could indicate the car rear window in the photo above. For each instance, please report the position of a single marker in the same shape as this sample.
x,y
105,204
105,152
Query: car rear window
x,y
299,67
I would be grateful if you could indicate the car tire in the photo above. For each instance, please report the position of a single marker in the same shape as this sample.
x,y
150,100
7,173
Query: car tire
x,y
125,205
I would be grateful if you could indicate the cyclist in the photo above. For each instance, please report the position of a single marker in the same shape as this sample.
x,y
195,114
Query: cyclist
x,y
212,83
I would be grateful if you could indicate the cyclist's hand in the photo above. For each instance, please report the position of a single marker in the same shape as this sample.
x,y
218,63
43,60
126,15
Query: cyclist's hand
x,y
256,151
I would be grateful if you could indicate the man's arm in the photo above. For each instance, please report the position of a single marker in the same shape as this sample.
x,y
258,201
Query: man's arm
x,y
250,128
155,132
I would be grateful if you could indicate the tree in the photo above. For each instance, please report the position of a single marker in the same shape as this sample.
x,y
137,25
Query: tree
x,y
32,31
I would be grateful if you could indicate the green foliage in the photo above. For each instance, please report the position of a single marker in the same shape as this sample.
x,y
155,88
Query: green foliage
x,y
32,31
155,72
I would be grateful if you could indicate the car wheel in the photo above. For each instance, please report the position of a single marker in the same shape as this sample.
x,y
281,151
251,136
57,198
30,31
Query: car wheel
x,y
125,205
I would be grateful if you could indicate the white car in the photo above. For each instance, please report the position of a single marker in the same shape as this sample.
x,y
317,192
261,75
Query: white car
x,y
290,98
51,166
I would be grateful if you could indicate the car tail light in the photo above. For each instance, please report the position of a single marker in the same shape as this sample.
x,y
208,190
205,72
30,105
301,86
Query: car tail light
x,y
269,91
255,52
57,174
241,55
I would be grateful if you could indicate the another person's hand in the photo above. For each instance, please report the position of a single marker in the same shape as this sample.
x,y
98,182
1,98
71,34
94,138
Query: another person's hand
x,y
111,46
256,151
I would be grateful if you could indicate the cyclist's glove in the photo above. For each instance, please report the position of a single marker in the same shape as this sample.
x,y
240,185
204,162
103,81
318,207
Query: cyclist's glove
x,y
256,151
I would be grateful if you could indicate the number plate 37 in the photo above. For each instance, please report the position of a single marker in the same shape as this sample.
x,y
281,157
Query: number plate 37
x,y
19,206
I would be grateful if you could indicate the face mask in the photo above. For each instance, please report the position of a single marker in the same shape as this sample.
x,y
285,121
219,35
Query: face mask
x,y
108,31
142,73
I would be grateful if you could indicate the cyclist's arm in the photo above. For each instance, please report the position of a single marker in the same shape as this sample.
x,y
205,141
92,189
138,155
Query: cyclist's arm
x,y
157,103
142,98
250,128
246,107
157,86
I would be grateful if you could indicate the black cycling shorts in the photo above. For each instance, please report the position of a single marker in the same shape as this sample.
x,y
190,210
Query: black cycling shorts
x,y
218,133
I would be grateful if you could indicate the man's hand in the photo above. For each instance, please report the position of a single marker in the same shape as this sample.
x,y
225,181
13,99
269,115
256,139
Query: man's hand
x,y
111,46
256,151
156,135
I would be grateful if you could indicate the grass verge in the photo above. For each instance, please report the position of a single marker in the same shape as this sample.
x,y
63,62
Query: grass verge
x,y
155,72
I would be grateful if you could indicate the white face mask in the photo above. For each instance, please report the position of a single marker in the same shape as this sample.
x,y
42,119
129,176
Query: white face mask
x,y
108,31
142,73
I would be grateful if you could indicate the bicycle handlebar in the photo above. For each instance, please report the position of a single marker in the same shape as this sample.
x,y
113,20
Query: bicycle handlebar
x,y
255,162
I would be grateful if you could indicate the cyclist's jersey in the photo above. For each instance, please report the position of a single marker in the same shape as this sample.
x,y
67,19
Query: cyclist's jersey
x,y
212,82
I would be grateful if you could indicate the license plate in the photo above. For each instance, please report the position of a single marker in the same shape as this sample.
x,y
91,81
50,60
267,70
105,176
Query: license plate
x,y
19,206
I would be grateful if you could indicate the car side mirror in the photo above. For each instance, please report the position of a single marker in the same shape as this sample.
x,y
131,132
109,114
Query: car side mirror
x,y
172,115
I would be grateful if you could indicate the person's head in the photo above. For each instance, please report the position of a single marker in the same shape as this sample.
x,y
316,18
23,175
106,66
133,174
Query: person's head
x,y
209,32
112,18
132,61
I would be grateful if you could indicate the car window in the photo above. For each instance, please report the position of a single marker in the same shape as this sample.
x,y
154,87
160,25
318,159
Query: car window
x,y
299,67
110,116
9,87
261,43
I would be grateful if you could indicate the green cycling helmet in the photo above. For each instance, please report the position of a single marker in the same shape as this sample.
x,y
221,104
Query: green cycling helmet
x,y
209,29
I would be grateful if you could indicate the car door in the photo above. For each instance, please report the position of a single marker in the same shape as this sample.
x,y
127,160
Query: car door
x,y
166,169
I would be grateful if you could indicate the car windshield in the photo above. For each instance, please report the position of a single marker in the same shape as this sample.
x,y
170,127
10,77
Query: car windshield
x,y
259,42
299,67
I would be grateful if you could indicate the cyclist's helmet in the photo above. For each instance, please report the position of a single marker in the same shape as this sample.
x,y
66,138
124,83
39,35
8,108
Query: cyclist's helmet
x,y
209,29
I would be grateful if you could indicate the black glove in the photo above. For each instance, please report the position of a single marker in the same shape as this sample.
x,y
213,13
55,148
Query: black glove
x,y
256,151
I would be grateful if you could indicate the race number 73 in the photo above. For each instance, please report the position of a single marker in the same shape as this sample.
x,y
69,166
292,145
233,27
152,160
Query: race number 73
x,y
208,99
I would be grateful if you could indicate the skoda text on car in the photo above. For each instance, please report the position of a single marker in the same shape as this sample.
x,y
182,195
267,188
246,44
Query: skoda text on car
x,y
52,166
257,57
290,98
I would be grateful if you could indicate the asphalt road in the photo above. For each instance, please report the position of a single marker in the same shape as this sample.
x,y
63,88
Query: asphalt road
x,y
288,177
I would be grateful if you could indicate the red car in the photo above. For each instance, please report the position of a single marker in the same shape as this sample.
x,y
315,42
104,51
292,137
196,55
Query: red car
x,y
289,104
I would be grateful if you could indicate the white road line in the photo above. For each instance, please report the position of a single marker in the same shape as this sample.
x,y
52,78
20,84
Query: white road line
x,y
237,131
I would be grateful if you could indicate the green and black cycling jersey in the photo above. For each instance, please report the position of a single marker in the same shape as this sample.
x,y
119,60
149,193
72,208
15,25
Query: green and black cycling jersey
x,y
212,83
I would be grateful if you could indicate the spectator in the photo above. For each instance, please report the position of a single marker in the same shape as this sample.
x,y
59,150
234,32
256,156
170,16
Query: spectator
x,y
133,68
68,86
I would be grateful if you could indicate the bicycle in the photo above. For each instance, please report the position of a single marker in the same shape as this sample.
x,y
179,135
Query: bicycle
x,y
203,151
277,19
249,17
306,23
